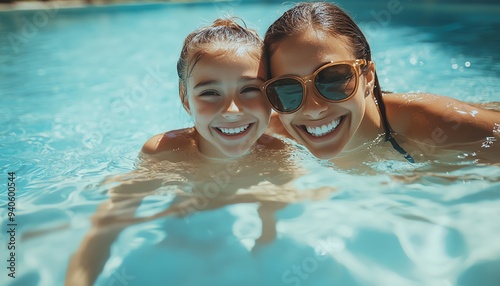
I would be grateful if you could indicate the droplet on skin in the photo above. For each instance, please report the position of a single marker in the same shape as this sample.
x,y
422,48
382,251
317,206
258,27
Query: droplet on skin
x,y
489,141
474,112
496,128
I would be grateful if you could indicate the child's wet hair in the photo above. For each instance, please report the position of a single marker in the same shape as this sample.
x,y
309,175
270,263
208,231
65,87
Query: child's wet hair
x,y
320,16
225,31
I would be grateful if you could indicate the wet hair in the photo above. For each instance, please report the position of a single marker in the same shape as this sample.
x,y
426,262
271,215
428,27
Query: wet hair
x,y
226,33
320,16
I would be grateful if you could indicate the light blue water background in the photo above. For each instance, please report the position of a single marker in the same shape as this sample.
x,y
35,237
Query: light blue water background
x,y
74,109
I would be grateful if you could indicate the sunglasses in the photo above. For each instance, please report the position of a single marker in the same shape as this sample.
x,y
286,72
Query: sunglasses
x,y
334,81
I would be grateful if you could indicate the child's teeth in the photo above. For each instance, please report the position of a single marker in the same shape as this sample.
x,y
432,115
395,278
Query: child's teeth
x,y
324,129
232,131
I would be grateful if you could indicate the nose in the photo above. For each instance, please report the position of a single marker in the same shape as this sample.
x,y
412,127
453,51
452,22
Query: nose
x,y
314,105
232,112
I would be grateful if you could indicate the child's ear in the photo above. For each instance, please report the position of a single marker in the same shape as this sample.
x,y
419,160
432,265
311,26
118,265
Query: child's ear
x,y
183,96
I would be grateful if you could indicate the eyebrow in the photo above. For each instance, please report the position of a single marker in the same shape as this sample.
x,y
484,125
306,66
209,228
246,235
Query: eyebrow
x,y
205,83
216,82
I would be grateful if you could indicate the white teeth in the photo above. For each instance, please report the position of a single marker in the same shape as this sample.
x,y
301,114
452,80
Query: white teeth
x,y
324,129
233,131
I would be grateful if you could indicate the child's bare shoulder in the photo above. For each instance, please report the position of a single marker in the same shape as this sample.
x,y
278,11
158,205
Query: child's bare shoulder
x,y
175,140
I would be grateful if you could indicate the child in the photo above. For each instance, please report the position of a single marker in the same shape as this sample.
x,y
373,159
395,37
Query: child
x,y
221,70
220,73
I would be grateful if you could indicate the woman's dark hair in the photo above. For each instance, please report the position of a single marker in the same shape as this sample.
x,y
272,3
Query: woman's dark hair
x,y
222,31
320,16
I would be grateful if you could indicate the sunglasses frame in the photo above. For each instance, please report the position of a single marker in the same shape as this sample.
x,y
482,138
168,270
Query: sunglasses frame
x,y
357,65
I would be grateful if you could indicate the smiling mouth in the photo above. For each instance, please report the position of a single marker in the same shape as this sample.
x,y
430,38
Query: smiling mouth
x,y
233,131
318,131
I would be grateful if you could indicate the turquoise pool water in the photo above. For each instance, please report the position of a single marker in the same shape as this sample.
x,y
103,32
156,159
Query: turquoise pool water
x,y
74,110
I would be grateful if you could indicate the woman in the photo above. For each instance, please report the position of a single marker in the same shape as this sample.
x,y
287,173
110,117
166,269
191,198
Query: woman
x,y
325,90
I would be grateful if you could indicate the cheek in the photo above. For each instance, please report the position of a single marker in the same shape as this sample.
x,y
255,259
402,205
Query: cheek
x,y
286,119
360,102
260,107
202,109
356,106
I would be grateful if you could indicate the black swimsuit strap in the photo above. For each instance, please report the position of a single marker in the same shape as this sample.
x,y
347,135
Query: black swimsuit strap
x,y
387,129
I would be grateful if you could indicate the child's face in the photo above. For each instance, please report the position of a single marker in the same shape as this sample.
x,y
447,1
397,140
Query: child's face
x,y
225,101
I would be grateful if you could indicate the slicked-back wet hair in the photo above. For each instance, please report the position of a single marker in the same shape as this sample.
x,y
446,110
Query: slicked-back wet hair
x,y
226,33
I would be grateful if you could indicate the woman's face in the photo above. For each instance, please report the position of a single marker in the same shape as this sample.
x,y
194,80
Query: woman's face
x,y
226,103
325,128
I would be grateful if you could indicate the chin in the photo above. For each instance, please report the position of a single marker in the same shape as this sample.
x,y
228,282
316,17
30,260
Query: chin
x,y
235,153
323,154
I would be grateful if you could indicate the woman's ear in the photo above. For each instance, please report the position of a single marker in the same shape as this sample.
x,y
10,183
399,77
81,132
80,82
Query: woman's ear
x,y
183,96
369,78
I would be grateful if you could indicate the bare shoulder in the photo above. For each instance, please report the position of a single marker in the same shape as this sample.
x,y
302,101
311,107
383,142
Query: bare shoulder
x,y
175,140
421,116
404,103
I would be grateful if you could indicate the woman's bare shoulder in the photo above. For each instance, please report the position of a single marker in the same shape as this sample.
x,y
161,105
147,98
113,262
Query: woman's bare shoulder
x,y
431,106
421,116
404,102
175,140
